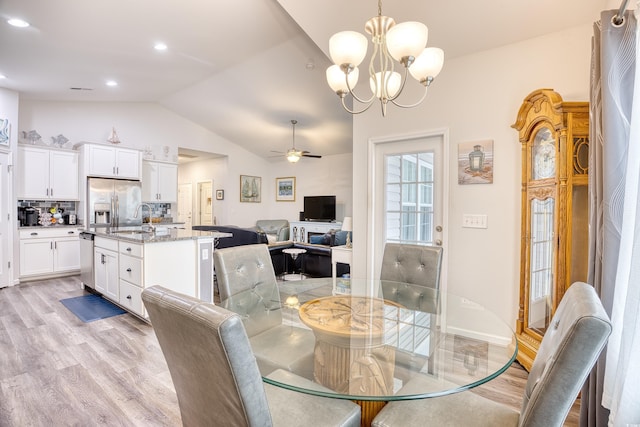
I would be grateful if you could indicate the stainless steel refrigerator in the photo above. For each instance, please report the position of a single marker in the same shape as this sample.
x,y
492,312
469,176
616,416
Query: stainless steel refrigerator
x,y
113,202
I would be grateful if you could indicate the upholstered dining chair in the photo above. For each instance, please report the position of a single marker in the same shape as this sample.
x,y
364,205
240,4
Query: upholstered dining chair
x,y
579,331
215,373
410,276
248,267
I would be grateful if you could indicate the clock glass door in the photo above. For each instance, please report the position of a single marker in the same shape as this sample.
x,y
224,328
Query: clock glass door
x,y
541,264
544,155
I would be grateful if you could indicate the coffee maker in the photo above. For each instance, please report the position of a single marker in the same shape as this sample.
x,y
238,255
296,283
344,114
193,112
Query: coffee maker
x,y
28,216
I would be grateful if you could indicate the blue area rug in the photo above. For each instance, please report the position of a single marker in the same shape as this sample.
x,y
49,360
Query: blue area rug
x,y
91,307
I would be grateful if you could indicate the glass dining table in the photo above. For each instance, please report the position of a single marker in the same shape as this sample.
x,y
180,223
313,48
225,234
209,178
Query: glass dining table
x,y
373,341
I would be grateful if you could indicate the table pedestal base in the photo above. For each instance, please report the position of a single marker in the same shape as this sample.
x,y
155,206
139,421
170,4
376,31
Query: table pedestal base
x,y
369,410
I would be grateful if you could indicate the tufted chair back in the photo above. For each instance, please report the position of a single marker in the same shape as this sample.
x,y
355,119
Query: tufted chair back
x,y
415,264
570,347
242,267
211,363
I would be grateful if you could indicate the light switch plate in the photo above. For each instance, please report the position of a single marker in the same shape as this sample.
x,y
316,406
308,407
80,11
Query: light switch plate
x,y
474,221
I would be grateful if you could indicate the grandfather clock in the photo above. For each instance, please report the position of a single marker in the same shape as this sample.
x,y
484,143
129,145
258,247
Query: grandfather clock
x,y
554,243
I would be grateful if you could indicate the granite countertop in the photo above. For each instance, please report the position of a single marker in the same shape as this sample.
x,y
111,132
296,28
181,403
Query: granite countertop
x,y
167,235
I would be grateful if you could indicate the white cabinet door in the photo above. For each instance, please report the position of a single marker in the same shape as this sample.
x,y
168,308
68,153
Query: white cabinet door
x,y
159,182
33,179
127,163
66,255
63,179
150,181
167,183
36,257
102,160
106,272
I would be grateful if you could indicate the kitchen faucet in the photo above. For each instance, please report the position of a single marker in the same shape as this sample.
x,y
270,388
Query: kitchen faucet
x,y
139,208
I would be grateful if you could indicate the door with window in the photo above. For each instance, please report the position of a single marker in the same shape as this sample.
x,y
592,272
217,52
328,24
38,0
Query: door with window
x,y
409,199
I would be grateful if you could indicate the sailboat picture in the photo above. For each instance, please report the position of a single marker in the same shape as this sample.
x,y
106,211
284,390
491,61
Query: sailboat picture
x,y
250,189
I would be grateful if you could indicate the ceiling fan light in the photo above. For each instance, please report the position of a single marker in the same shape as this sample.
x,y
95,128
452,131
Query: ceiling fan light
x,y
407,39
293,156
337,80
348,47
392,82
428,64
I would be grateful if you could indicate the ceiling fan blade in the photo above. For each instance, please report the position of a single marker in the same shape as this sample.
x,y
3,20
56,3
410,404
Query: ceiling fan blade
x,y
279,152
315,156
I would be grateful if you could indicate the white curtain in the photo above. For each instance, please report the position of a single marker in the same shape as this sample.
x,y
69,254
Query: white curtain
x,y
614,185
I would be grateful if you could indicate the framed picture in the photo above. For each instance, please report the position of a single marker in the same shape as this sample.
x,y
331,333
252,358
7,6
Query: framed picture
x,y
286,189
250,189
475,162
219,194
5,131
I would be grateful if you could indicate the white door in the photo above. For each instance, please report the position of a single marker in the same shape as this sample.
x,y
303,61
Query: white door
x,y
185,204
409,202
205,203
5,216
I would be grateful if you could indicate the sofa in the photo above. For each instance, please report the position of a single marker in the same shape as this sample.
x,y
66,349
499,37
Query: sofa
x,y
241,236
277,230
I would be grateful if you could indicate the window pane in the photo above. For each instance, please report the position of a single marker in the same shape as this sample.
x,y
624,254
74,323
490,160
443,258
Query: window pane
x,y
409,194
393,169
393,197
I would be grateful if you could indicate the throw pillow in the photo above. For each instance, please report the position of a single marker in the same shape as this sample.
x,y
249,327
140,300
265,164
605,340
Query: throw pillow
x,y
341,238
317,239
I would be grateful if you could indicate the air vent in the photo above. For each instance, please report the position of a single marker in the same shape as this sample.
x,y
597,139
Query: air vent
x,y
80,88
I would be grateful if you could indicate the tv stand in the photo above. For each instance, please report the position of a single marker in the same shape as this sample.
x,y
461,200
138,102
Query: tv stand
x,y
299,231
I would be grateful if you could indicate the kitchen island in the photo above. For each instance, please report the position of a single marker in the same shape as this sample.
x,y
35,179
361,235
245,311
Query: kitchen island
x,y
128,260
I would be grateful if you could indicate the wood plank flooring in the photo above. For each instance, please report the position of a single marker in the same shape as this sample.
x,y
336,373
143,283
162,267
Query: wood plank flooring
x,y
56,370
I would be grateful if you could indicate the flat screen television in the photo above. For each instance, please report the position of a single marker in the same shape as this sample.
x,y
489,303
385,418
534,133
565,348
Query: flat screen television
x,y
320,208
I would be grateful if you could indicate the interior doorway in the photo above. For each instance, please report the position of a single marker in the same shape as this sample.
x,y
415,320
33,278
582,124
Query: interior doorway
x,y
185,204
205,203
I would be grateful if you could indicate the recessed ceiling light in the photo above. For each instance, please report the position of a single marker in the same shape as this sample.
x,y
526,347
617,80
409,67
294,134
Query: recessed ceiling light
x,y
18,23
160,46
2,76
112,83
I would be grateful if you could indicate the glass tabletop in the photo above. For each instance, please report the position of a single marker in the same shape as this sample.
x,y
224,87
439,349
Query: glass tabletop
x,y
371,340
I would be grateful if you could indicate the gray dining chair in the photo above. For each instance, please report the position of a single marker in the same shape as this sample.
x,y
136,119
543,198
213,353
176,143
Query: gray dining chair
x,y
215,373
577,334
247,285
410,276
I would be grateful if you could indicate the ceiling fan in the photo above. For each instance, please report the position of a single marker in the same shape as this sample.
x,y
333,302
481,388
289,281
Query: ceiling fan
x,y
294,155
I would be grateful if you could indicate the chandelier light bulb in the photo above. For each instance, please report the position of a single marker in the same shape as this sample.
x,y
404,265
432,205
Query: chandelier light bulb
x,y
337,80
427,65
407,39
348,47
387,89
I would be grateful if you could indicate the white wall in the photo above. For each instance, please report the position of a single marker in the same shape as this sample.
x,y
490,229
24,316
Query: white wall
x,y
477,97
330,175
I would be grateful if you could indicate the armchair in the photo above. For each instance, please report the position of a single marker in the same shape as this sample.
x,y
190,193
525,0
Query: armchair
x,y
215,373
275,229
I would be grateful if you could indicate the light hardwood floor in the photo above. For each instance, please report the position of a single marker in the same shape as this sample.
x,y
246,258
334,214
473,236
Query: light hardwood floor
x,y
56,370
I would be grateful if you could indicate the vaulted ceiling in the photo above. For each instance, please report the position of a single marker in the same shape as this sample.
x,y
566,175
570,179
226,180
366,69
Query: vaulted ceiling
x,y
240,68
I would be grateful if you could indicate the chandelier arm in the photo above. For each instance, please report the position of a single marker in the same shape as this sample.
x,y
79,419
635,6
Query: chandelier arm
x,y
353,94
369,104
424,95
404,80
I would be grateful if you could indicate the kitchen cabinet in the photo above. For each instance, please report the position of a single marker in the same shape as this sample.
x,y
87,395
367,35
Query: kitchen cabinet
x,y
110,162
554,138
49,252
106,267
159,182
46,174
131,276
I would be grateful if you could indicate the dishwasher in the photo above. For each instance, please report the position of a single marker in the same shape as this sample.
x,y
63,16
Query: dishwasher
x,y
86,260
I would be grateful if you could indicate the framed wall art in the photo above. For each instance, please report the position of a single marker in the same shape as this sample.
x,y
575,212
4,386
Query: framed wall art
x,y
250,189
219,194
475,162
286,189
5,131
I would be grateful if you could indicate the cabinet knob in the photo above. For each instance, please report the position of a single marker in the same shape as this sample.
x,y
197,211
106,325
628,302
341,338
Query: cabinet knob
x,y
71,232
128,270
34,234
128,249
129,297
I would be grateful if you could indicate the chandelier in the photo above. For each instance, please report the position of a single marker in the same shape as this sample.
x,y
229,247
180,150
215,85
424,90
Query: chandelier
x,y
404,43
